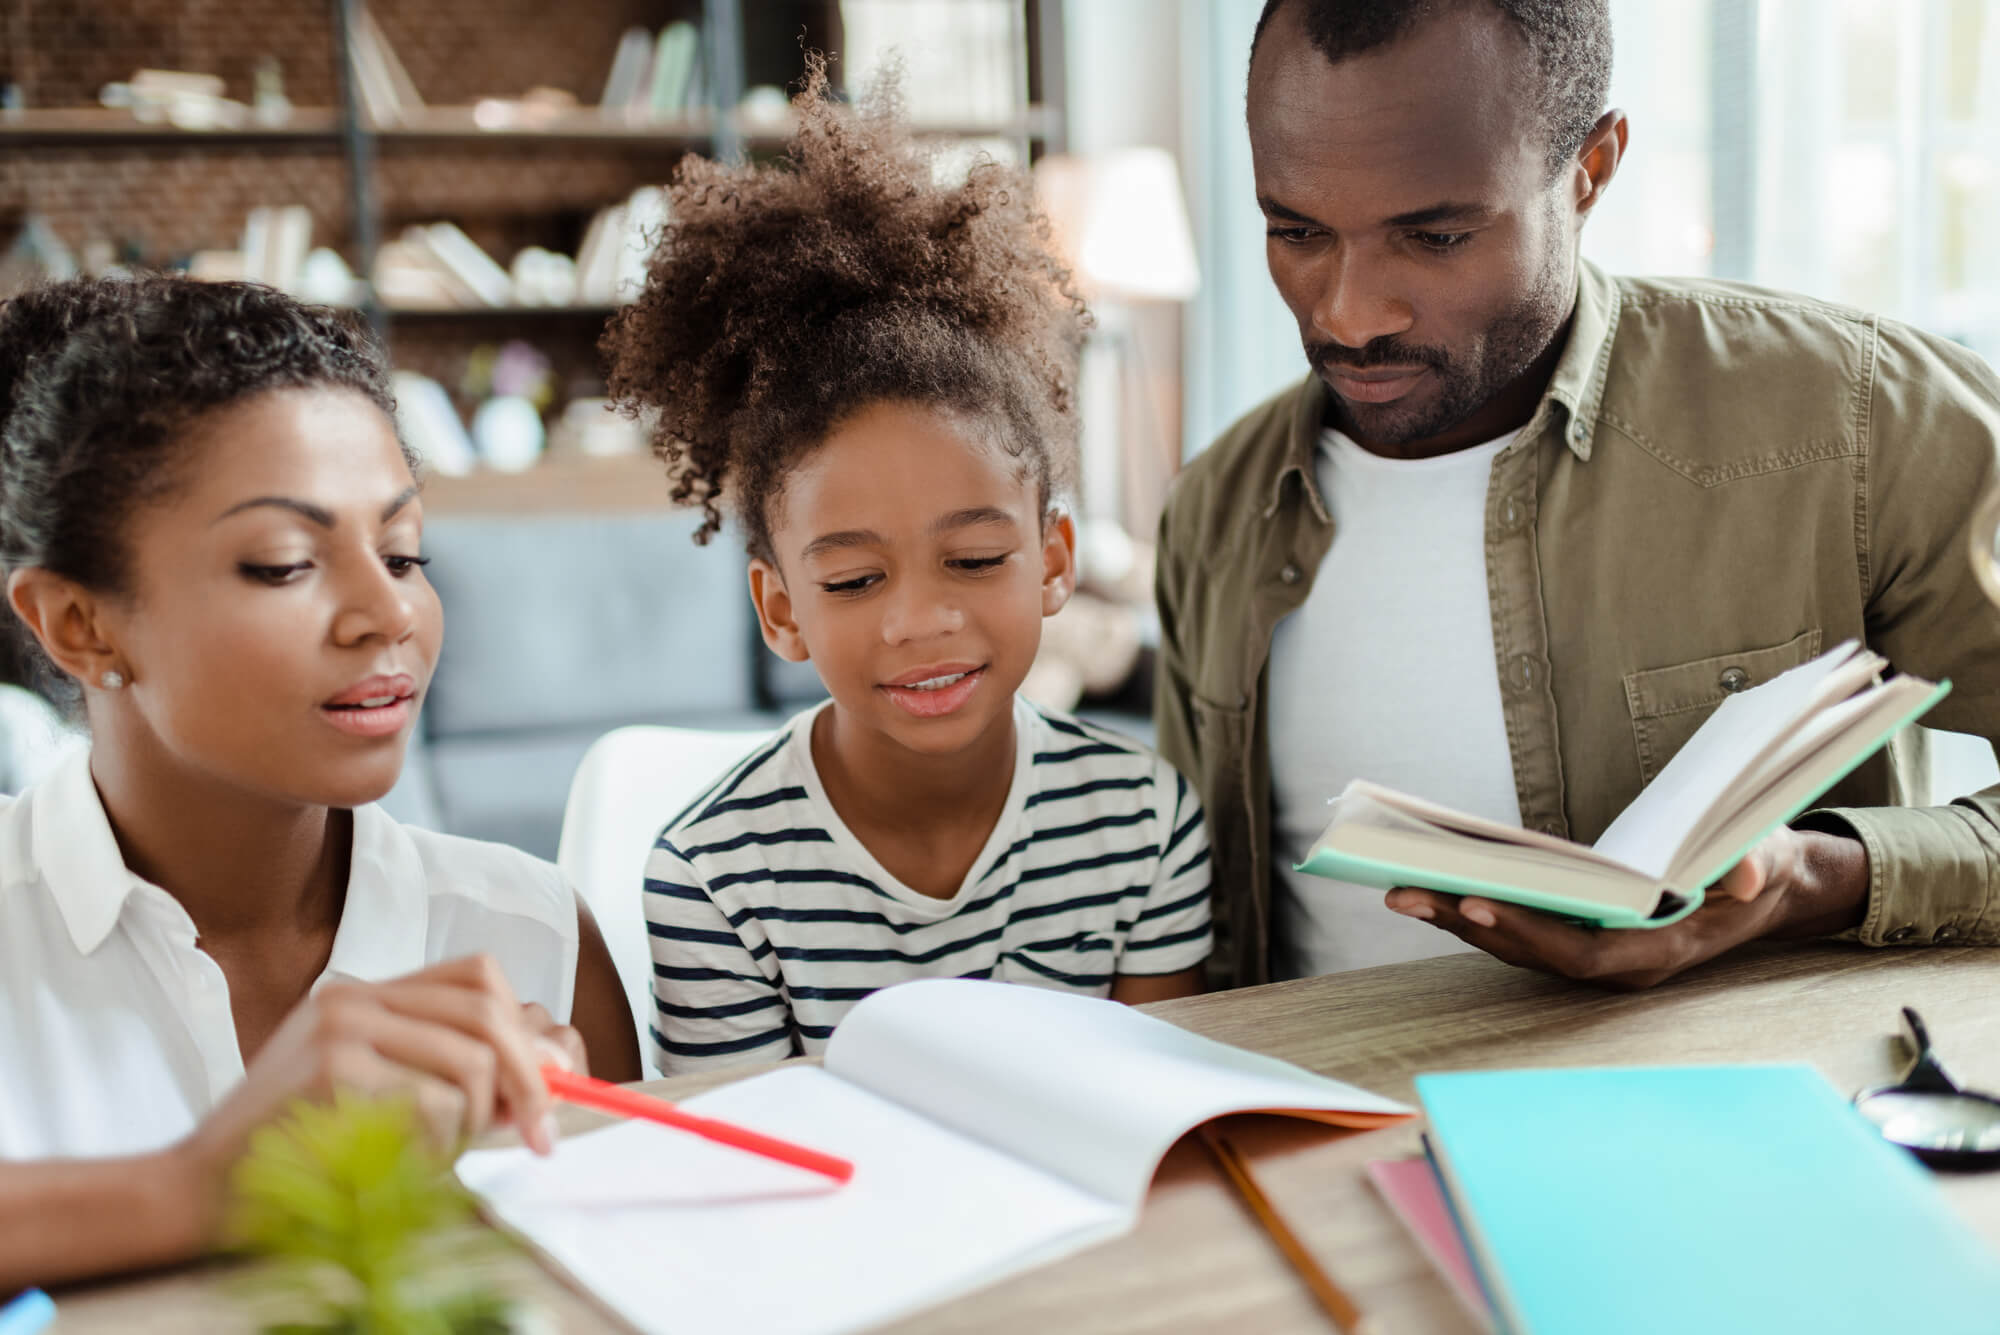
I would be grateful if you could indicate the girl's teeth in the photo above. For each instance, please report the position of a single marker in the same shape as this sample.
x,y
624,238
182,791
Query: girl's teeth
x,y
936,683
378,702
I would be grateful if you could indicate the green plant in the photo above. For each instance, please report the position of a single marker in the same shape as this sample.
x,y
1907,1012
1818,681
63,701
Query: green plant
x,y
360,1227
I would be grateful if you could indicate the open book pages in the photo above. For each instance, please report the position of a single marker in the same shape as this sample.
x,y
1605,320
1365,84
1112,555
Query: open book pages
x,y
1758,760
992,1128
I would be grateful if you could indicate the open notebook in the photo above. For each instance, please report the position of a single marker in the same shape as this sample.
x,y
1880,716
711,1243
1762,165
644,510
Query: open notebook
x,y
1758,761
992,1127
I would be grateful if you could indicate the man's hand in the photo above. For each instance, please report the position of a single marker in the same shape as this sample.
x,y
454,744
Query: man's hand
x,y
1796,883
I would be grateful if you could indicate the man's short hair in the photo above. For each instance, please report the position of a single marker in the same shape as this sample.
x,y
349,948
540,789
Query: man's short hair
x,y
1570,40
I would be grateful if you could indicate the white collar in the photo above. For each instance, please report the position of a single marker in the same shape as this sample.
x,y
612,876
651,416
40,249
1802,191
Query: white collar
x,y
78,855
384,922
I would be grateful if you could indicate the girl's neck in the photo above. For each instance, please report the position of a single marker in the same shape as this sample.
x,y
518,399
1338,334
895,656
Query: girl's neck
x,y
243,865
873,781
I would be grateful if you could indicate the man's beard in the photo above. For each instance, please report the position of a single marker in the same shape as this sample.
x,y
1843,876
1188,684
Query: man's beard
x,y
1498,357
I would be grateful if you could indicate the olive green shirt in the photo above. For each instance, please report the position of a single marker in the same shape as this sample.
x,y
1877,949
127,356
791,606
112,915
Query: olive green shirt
x,y
1719,483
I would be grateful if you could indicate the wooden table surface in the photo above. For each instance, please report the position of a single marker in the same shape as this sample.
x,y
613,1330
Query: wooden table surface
x,y
1197,1263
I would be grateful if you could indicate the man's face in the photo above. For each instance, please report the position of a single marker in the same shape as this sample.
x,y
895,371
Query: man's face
x,y
1413,225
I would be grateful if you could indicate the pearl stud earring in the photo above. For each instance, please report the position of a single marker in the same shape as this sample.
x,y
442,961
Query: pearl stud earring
x,y
111,681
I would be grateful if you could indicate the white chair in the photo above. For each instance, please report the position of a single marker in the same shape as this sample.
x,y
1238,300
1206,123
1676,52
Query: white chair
x,y
629,784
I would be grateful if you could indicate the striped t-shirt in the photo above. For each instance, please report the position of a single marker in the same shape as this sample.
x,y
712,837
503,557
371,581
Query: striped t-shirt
x,y
769,919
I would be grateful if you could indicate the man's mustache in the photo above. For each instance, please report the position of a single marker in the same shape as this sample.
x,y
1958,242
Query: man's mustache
x,y
1385,351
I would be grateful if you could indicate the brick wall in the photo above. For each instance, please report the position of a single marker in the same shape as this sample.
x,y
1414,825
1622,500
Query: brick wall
x,y
62,51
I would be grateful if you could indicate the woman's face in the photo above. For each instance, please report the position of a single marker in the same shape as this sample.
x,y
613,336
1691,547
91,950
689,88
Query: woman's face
x,y
277,629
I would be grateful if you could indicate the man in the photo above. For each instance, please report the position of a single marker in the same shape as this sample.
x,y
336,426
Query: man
x,y
1527,524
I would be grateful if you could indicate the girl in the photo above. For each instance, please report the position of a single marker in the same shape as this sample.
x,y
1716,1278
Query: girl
x,y
212,532
874,372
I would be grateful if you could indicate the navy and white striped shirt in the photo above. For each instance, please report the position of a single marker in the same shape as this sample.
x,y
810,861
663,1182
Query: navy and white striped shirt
x,y
769,919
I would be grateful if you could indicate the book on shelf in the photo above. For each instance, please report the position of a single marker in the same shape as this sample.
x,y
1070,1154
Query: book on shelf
x,y
275,242
611,262
629,70
993,1127
1757,762
654,77
674,59
964,61
387,94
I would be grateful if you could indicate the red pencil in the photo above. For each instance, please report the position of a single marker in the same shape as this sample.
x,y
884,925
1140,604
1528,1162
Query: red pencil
x,y
607,1097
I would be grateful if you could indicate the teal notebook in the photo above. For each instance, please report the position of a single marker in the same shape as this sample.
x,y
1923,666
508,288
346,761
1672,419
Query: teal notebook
x,y
1698,1200
1763,756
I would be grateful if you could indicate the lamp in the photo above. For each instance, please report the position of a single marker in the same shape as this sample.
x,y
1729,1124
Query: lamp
x,y
1120,221
1120,218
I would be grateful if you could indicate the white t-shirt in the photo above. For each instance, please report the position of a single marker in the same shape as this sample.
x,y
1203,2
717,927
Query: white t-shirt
x,y
1386,673
116,1035
770,919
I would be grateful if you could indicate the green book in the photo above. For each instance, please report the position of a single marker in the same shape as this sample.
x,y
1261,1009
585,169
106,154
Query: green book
x,y
1698,1200
1759,760
673,68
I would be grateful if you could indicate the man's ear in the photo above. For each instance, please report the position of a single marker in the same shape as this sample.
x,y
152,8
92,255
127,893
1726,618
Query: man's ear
x,y
69,620
774,612
1597,160
1058,561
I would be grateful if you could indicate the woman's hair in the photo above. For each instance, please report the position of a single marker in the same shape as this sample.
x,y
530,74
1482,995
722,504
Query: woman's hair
x,y
784,297
100,381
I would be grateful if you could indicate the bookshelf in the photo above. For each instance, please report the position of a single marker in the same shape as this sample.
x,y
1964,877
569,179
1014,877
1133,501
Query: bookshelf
x,y
159,193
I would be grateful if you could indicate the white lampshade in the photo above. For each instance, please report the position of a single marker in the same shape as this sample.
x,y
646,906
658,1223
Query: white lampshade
x,y
1120,219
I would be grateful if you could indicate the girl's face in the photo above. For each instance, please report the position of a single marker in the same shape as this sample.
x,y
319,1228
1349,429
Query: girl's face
x,y
914,569
278,632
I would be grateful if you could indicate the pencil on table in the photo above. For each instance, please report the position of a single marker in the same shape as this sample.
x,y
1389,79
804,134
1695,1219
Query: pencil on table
x,y
1332,1299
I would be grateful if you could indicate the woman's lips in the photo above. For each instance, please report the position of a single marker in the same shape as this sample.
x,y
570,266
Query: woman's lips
x,y
378,706
371,722
936,696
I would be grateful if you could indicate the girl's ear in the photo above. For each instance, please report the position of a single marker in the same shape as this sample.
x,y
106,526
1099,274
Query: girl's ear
x,y
774,612
68,619
1058,560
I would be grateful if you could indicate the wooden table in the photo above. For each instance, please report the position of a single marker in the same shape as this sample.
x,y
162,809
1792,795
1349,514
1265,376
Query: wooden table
x,y
1197,1263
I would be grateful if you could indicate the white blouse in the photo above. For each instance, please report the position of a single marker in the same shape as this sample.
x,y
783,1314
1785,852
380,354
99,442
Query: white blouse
x,y
116,1035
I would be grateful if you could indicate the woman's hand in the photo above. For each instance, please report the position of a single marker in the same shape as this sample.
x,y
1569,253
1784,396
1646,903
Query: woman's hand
x,y
452,1038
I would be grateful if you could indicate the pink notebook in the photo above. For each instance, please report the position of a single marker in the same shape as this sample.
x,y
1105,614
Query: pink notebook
x,y
1411,1189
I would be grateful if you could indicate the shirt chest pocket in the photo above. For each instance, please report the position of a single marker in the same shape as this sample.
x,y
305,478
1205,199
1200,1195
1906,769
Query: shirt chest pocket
x,y
1084,961
1669,704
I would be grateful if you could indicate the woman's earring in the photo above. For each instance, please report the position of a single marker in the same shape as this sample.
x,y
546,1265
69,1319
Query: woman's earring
x,y
111,681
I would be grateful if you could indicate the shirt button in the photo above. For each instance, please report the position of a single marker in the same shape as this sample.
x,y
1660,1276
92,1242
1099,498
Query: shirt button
x,y
1291,574
1733,679
1524,672
1510,514
1902,933
1579,429
1944,934
1553,830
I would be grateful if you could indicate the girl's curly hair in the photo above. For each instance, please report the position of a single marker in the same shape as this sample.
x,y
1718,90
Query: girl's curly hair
x,y
783,297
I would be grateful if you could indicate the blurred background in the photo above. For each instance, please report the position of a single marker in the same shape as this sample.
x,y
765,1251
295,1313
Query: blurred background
x,y
479,178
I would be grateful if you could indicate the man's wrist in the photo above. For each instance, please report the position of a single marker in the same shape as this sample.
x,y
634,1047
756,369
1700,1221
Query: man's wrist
x,y
1828,894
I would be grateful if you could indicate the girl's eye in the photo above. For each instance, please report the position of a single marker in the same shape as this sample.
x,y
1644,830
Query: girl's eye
x,y
283,574
1440,241
974,564
858,584
1290,235
400,566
